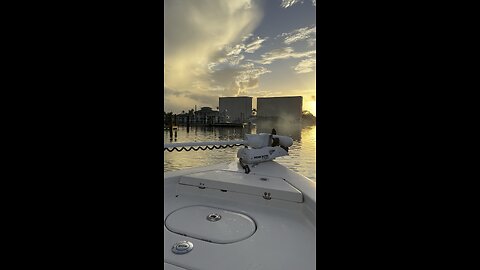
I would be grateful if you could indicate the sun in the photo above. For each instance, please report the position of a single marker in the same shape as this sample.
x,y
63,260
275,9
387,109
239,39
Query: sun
x,y
311,106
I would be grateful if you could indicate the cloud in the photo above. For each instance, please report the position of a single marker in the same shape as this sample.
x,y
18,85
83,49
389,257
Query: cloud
x,y
195,31
232,59
282,53
233,54
306,65
178,100
289,3
210,51
234,50
205,45
247,37
228,75
248,77
299,34
255,45
236,80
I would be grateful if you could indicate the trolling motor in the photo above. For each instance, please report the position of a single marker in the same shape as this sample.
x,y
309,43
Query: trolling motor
x,y
258,147
264,147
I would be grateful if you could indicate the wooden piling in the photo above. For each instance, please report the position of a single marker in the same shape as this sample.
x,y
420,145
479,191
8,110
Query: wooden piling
x,y
170,127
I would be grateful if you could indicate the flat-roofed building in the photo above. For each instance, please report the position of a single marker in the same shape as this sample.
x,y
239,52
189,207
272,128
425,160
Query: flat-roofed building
x,y
235,109
289,108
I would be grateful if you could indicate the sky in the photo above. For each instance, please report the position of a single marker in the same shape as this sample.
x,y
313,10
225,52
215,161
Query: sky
x,y
258,48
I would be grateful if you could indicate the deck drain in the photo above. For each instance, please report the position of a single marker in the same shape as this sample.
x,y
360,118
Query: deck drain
x,y
214,217
182,247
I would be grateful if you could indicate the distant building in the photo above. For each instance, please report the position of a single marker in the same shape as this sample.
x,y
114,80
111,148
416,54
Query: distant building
x,y
183,118
206,116
238,109
280,107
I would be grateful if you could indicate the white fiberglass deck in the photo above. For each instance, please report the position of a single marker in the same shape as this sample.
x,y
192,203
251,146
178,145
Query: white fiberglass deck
x,y
254,232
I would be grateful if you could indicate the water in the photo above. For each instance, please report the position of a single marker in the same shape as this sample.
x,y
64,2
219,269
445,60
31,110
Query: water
x,y
301,159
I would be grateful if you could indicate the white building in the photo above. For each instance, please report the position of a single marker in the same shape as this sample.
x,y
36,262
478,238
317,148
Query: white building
x,y
289,108
238,109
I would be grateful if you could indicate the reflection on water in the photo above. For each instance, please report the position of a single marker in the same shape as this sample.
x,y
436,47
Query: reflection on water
x,y
301,157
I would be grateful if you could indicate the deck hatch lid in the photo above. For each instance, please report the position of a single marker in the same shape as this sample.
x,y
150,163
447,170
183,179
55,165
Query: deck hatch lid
x,y
193,222
268,187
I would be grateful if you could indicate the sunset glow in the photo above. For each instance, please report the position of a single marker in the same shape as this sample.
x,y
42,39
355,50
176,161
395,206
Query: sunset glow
x,y
258,48
311,107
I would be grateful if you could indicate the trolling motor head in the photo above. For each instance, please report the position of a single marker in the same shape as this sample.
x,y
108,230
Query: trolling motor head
x,y
264,147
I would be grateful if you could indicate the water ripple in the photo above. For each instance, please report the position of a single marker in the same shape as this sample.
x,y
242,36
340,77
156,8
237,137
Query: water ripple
x,y
301,157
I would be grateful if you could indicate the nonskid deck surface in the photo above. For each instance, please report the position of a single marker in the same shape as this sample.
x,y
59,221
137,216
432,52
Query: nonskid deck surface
x,y
283,234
